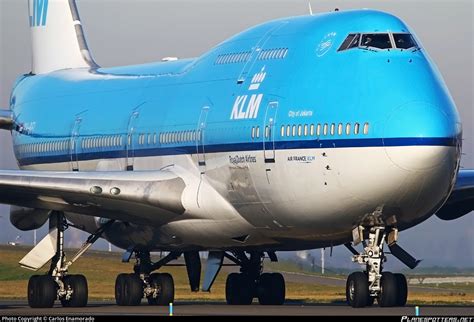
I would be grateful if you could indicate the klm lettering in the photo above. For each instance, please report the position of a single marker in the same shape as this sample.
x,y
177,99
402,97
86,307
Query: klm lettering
x,y
38,12
245,108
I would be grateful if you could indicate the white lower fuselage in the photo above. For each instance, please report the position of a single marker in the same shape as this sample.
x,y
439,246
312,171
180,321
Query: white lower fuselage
x,y
307,198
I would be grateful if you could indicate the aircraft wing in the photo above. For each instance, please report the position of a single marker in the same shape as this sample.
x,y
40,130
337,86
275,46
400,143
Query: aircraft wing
x,y
461,200
142,197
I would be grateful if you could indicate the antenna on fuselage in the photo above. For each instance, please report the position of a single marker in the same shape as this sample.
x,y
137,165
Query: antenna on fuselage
x,y
310,9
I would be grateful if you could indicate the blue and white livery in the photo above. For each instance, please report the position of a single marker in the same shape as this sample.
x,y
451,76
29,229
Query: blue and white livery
x,y
299,133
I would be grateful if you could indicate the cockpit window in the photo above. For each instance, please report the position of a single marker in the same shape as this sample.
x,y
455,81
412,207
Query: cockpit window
x,y
404,41
381,41
351,41
378,41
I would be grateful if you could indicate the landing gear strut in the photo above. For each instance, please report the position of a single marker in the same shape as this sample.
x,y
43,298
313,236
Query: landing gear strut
x,y
71,290
362,288
157,288
241,288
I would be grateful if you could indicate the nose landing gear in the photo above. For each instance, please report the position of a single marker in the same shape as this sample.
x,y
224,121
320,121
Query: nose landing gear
x,y
389,289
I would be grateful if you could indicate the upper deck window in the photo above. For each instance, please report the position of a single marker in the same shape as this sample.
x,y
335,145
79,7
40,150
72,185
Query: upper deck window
x,y
404,41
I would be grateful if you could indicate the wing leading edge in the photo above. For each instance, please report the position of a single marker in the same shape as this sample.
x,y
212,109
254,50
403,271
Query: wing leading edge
x,y
147,197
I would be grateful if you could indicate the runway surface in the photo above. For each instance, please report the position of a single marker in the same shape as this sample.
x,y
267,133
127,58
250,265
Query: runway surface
x,y
338,281
218,308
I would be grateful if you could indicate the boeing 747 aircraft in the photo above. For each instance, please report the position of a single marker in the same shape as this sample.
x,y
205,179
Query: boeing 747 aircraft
x,y
299,133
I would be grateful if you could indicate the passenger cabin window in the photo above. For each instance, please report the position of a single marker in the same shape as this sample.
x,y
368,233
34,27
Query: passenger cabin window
x,y
356,128
366,128
404,41
339,129
348,129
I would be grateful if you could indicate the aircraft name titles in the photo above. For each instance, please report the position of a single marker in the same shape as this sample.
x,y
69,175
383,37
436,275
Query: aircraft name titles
x,y
238,159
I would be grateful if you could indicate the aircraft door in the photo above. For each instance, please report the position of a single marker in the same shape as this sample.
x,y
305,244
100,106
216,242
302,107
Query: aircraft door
x,y
130,139
269,132
200,139
74,144
256,50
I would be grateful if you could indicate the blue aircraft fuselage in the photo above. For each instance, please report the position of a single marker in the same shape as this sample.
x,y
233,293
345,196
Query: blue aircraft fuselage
x,y
282,85
331,87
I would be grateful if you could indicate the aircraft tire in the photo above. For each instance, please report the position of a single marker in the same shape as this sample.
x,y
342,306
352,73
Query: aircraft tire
x,y
239,289
388,290
402,289
271,289
42,291
128,290
120,297
134,287
78,284
357,289
165,284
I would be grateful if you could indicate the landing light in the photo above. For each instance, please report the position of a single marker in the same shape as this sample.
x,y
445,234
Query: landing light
x,y
115,191
96,190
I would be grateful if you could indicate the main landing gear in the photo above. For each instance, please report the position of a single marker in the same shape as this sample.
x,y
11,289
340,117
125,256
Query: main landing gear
x,y
157,288
390,289
71,290
241,288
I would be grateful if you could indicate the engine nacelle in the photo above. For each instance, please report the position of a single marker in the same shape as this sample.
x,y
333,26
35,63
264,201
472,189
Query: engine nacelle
x,y
27,218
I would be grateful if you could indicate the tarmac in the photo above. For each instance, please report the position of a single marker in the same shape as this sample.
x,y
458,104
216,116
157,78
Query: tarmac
x,y
20,308
290,308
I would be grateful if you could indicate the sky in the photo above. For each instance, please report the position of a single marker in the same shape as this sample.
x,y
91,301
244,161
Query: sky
x,y
122,32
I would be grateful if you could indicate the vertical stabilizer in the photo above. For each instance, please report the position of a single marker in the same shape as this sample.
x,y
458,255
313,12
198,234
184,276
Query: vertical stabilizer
x,y
57,38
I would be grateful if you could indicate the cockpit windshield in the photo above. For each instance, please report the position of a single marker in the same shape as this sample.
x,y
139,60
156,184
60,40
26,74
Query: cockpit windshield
x,y
351,41
381,41
404,41
378,41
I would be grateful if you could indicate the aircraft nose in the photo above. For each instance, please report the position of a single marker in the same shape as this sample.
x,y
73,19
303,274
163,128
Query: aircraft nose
x,y
419,136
